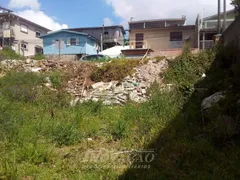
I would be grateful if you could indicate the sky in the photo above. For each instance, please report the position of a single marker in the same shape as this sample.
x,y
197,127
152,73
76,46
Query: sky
x,y
61,14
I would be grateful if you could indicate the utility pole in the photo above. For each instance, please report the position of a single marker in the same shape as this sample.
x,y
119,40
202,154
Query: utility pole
x,y
101,42
59,49
219,18
225,15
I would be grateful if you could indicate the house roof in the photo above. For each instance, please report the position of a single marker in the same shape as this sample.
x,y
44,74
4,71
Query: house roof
x,y
159,20
5,9
23,19
221,14
98,27
68,31
157,23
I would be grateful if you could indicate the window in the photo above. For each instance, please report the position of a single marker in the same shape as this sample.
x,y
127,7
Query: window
x,y
24,46
73,42
176,36
106,33
24,28
38,33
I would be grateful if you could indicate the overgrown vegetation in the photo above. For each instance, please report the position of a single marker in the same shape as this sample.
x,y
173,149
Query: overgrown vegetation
x,y
186,70
38,57
8,53
115,70
42,137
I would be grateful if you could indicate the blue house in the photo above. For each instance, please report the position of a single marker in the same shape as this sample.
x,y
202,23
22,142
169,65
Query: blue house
x,y
67,42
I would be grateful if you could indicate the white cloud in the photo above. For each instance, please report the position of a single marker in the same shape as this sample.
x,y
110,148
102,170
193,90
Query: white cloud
x,y
42,19
33,4
108,22
34,14
157,9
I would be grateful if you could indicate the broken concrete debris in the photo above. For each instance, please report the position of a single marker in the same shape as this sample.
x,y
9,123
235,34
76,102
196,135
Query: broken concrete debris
x,y
133,88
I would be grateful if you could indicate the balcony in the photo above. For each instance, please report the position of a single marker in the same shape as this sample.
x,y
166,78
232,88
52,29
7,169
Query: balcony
x,y
138,45
7,33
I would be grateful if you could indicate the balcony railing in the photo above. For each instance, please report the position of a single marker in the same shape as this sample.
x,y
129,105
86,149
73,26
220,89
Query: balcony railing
x,y
138,44
7,33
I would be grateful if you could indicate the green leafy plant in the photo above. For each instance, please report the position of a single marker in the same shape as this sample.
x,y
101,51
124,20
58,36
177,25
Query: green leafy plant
x,y
8,53
115,70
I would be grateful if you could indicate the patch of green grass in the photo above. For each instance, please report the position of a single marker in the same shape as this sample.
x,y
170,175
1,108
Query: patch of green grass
x,y
20,86
38,57
42,137
8,53
115,70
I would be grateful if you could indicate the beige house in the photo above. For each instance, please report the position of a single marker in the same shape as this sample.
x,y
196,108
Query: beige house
x,y
161,34
20,34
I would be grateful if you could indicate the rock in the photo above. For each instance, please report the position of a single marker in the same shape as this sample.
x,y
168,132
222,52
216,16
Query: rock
x,y
89,139
204,75
28,61
74,102
97,85
36,69
213,99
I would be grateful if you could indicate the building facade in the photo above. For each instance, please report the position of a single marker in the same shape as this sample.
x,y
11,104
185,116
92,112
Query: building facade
x,y
111,35
20,34
161,34
208,28
65,42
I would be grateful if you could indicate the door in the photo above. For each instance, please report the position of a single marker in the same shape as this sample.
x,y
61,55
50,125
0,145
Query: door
x,y
139,40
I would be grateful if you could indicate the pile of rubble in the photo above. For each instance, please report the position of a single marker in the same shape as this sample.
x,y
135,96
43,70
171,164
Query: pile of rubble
x,y
80,86
132,88
30,65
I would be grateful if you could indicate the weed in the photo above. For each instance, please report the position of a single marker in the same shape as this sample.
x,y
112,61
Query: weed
x,y
115,70
65,134
38,57
20,86
8,53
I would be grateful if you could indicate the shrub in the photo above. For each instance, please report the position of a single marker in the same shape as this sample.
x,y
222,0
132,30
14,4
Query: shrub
x,y
115,70
56,79
8,53
159,58
20,86
38,57
65,134
188,69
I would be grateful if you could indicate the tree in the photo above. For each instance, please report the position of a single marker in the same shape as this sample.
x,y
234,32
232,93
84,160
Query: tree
x,y
236,3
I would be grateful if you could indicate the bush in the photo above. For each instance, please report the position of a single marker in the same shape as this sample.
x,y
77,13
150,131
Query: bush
x,y
20,86
188,69
38,57
56,79
66,134
8,53
115,70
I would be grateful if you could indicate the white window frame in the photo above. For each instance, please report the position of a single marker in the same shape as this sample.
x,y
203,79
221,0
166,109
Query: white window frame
x,y
24,48
69,42
24,28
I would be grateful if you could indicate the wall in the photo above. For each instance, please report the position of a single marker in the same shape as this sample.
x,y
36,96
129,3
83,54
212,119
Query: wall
x,y
232,33
113,33
171,52
158,39
29,37
62,57
86,45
